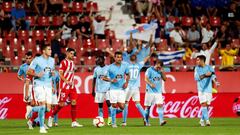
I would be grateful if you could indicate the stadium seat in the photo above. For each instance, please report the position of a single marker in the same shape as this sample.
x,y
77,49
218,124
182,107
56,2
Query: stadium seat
x,y
9,35
187,21
88,44
144,19
102,44
116,44
178,66
163,45
23,35
236,42
88,62
93,6
57,21
31,45
203,20
2,44
31,20
173,19
74,43
7,6
74,20
43,21
190,64
38,35
215,21
110,34
77,7
162,21
50,34
16,61
65,7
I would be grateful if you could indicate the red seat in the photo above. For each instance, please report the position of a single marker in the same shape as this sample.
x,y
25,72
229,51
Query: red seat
x,y
23,35
65,8
89,63
117,44
203,20
74,20
31,20
236,42
7,6
9,36
16,61
190,63
162,21
144,19
163,45
88,44
50,34
93,6
31,45
102,44
173,19
215,21
77,7
187,21
178,66
2,44
43,21
74,43
38,35
110,34
57,21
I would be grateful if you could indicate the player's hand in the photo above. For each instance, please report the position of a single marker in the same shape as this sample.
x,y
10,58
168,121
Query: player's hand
x,y
39,75
53,73
217,84
153,85
125,85
208,74
93,93
26,98
113,80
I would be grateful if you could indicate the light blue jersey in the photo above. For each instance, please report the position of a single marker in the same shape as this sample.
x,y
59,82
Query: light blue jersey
x,y
156,78
118,72
55,79
23,70
204,85
126,56
134,73
40,64
145,51
99,73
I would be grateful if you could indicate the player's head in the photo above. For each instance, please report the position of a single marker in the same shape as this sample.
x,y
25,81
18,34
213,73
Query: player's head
x,y
46,49
158,64
28,57
228,47
70,53
133,58
204,46
118,57
200,61
100,61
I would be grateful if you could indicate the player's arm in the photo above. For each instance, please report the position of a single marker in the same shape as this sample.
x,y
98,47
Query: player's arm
x,y
20,74
109,52
127,80
150,54
93,87
163,74
27,83
63,78
211,50
31,71
147,80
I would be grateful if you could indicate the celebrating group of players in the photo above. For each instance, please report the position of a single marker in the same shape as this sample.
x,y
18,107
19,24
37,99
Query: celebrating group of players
x,y
116,84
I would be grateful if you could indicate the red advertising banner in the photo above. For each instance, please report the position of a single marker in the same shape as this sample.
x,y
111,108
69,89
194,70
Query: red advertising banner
x,y
176,106
177,82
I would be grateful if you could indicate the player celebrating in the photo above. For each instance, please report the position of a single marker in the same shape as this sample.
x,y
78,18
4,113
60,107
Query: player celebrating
x,y
119,76
67,87
101,86
204,74
41,69
153,77
27,89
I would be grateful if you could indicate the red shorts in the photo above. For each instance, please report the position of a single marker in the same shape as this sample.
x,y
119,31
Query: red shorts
x,y
70,94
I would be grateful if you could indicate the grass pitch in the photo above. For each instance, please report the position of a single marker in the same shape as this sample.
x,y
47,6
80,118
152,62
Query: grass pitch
x,y
220,126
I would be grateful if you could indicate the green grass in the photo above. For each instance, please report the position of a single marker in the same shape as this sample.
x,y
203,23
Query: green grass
x,y
220,126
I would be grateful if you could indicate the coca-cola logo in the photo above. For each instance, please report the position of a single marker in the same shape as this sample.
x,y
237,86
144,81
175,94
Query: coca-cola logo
x,y
3,108
189,108
236,107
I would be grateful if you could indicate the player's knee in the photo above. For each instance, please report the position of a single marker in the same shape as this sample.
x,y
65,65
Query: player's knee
x,y
204,104
61,104
74,102
137,102
114,105
100,105
159,105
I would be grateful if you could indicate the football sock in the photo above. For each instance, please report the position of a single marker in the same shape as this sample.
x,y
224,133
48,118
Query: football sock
x,y
34,116
205,113
160,114
141,110
74,112
125,113
41,114
100,111
55,118
109,111
113,113
147,114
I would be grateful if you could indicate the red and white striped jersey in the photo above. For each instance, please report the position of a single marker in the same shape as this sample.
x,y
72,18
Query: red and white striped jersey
x,y
67,67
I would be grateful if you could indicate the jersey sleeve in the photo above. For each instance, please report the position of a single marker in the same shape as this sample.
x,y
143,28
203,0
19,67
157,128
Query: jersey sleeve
x,y
127,69
62,66
141,64
196,75
95,73
148,73
20,71
33,64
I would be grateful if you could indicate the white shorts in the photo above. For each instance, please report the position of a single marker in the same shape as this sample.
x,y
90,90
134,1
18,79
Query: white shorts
x,y
29,93
54,99
43,94
205,97
133,93
100,97
153,98
117,96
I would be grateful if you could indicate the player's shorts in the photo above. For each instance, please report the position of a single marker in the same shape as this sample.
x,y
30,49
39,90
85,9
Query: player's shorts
x,y
153,98
30,93
100,97
54,99
43,94
205,97
133,93
117,96
68,94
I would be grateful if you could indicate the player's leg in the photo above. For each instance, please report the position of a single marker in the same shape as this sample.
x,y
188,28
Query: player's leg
x,y
136,99
113,100
99,99
73,97
204,110
27,97
109,107
158,100
54,104
209,100
128,94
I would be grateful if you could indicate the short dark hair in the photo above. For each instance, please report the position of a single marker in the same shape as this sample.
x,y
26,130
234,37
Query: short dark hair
x,y
37,55
202,57
117,53
44,46
29,53
159,62
70,49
